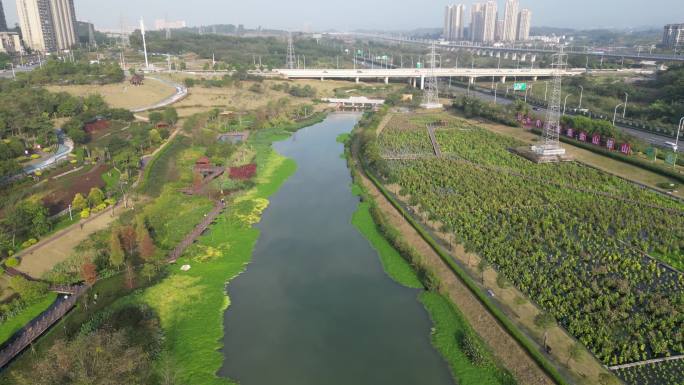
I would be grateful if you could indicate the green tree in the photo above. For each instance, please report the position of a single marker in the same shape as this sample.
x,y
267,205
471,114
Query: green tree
x,y
146,246
79,203
95,197
482,266
149,271
29,291
155,117
155,136
544,320
117,257
170,115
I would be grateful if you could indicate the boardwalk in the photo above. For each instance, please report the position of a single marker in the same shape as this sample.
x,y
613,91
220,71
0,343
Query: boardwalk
x,y
39,325
433,139
199,229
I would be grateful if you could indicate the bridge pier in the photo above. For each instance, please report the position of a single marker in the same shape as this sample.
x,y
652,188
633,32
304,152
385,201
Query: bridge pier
x,y
523,57
505,55
471,80
503,79
422,82
534,78
322,79
357,80
386,80
534,58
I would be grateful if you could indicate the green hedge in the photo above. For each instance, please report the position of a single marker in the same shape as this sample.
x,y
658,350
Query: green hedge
x,y
623,158
523,340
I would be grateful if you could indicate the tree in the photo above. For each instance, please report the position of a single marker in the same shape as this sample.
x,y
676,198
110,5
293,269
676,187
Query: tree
x,y
155,117
128,239
116,252
89,273
145,244
95,197
149,271
100,357
28,218
155,137
79,203
29,291
482,266
170,115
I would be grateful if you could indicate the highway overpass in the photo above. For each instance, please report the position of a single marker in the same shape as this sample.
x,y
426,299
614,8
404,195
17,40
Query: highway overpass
x,y
418,75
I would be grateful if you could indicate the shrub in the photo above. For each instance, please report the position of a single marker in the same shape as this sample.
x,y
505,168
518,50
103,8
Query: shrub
x,y
11,262
473,349
85,213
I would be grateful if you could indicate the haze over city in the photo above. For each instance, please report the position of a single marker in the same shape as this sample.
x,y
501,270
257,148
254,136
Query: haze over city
x,y
361,14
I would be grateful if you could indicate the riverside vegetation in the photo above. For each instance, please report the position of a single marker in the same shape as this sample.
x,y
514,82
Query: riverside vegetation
x,y
592,244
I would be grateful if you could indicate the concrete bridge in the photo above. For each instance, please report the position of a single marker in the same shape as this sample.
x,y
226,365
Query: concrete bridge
x,y
417,75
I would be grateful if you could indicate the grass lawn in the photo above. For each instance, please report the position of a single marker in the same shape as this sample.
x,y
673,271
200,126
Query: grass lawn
x,y
191,304
393,263
122,95
449,326
14,324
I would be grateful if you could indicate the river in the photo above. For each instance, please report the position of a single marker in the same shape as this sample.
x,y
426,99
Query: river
x,y
315,306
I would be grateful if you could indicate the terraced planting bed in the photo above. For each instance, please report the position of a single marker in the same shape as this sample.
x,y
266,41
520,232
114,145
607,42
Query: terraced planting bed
x,y
601,255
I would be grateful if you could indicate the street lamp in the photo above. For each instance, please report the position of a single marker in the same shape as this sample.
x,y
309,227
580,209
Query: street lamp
x,y
546,89
679,129
496,88
14,75
615,113
565,102
624,112
580,101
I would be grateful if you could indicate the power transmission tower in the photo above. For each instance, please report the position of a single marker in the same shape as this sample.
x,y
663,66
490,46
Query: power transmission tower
x,y
291,62
551,132
431,91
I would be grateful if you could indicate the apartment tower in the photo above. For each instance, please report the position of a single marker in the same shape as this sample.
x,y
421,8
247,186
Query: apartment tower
x,y
47,25
3,21
453,22
524,24
510,28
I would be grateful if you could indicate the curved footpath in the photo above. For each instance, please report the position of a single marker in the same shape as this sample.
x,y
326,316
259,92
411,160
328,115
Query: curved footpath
x,y
181,93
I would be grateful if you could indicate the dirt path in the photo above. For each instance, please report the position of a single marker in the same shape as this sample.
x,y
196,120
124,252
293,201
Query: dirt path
x,y
42,257
511,354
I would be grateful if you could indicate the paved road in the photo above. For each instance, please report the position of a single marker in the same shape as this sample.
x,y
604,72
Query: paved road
x,y
66,146
654,139
181,92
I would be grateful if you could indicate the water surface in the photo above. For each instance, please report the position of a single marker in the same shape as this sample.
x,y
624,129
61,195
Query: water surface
x,y
314,306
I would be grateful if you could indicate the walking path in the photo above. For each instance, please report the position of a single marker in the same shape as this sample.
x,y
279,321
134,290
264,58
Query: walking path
x,y
181,93
39,325
43,256
199,229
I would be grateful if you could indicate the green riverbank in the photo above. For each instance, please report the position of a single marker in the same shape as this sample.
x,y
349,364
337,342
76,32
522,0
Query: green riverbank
x,y
469,359
191,304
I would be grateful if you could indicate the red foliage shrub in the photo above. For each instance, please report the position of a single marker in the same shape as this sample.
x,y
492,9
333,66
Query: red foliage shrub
x,y
243,172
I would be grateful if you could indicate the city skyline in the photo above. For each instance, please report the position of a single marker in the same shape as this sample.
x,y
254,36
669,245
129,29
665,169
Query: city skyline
x,y
313,15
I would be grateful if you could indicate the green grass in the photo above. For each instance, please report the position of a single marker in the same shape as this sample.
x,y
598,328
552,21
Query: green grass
x,y
449,326
156,171
395,266
14,324
191,304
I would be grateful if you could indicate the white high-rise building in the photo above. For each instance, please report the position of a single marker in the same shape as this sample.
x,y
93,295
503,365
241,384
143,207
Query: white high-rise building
x,y
454,22
64,23
477,22
510,29
498,35
489,30
47,25
524,24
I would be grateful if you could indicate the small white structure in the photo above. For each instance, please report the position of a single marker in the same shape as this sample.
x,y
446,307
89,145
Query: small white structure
x,y
185,267
355,102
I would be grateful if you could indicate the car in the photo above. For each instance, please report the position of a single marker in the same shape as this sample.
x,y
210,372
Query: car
x,y
536,109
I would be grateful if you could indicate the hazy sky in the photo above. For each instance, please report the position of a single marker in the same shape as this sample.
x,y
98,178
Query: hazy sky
x,y
352,14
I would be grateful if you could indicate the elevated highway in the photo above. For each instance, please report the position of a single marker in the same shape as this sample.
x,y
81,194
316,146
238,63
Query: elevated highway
x,y
417,75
